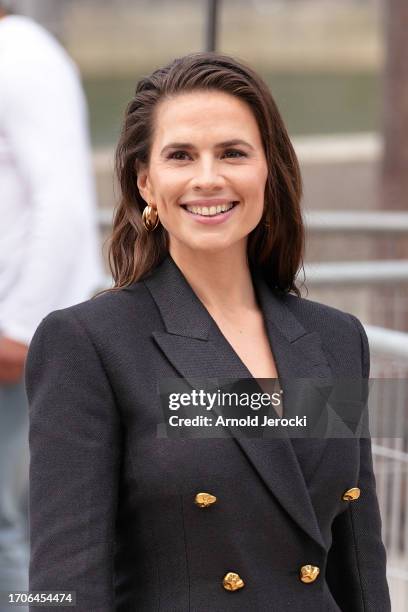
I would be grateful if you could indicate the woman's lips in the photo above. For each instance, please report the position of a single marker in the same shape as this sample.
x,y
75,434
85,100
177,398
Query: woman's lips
x,y
213,219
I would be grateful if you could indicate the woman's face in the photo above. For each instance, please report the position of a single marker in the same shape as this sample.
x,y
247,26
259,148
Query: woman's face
x,y
207,171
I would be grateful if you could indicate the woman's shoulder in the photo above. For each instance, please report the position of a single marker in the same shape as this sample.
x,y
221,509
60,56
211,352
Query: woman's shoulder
x,y
322,317
339,331
105,313
311,314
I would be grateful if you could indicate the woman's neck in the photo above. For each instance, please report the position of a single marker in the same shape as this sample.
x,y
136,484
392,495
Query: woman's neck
x,y
222,280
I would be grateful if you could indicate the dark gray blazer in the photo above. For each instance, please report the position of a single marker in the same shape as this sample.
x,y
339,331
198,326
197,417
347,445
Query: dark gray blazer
x,y
112,505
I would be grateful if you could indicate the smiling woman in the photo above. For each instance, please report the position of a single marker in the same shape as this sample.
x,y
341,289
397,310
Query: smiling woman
x,y
206,245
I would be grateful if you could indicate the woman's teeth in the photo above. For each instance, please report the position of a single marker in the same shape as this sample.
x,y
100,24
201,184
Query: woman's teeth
x,y
210,211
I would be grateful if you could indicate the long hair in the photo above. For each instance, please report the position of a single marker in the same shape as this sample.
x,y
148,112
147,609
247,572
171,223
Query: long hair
x,y
276,245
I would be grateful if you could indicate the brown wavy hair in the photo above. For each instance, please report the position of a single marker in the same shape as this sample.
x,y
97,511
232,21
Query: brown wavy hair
x,y
276,245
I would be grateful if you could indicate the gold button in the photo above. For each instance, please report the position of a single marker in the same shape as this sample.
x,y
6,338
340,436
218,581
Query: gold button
x,y
351,494
204,499
232,582
309,573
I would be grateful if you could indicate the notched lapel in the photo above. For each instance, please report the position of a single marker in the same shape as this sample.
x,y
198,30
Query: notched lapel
x,y
195,346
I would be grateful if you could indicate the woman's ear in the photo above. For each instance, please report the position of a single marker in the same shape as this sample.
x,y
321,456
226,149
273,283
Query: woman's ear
x,y
143,183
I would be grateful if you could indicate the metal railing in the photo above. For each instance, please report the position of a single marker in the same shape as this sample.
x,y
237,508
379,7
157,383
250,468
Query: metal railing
x,y
367,222
389,271
388,343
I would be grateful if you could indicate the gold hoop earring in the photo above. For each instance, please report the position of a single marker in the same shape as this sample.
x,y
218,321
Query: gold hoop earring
x,y
150,218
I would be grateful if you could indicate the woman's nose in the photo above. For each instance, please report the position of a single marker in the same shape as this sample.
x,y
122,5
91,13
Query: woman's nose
x,y
207,175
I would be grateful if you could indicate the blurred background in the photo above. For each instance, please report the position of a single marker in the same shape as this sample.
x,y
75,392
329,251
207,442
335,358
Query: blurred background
x,y
338,71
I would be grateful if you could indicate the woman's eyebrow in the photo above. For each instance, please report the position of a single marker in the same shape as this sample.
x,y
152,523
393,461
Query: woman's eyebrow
x,y
188,145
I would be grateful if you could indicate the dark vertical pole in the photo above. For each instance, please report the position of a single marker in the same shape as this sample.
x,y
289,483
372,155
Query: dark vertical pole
x,y
212,23
395,115
394,185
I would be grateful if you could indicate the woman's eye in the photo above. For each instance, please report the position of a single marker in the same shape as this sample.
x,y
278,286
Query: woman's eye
x,y
178,155
235,153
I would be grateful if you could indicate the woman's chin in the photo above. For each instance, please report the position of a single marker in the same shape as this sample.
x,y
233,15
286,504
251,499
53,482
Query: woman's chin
x,y
211,245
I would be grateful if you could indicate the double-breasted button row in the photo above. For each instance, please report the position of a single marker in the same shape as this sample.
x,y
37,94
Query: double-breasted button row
x,y
203,500
232,581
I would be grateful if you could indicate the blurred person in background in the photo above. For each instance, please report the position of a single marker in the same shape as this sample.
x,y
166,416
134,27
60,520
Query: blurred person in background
x,y
48,240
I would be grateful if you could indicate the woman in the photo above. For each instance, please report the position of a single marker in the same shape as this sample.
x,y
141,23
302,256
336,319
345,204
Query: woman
x,y
207,241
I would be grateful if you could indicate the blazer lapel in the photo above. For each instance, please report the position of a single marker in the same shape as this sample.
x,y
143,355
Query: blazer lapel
x,y
197,349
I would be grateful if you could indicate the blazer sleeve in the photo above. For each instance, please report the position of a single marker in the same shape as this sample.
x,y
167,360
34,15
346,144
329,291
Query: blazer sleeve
x,y
356,569
75,452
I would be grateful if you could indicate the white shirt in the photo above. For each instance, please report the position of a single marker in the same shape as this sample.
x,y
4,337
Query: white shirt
x,y
49,253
